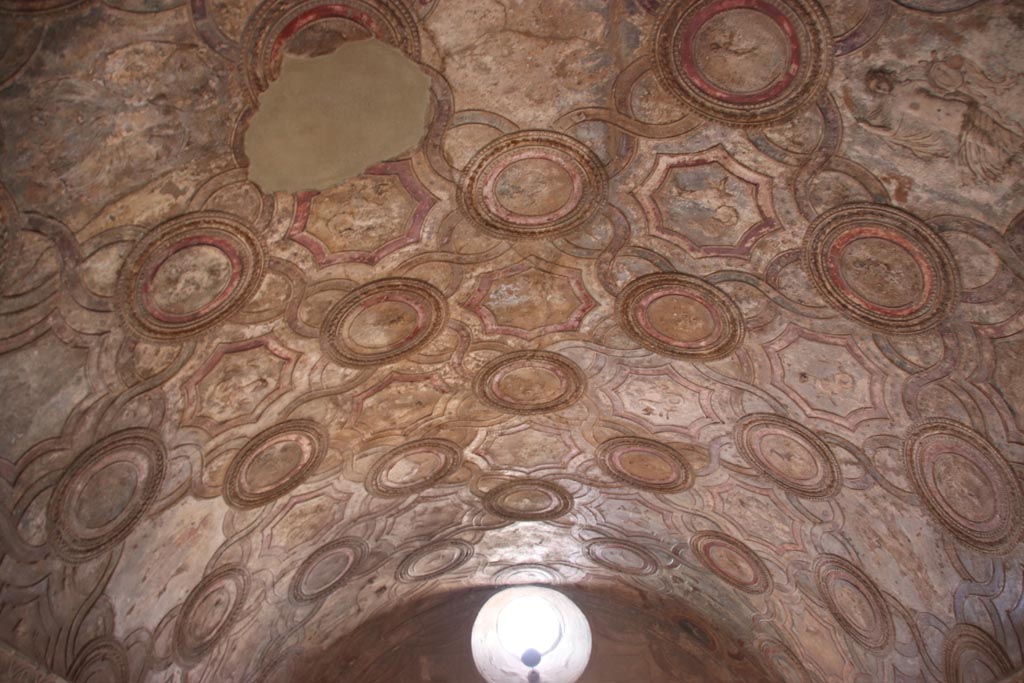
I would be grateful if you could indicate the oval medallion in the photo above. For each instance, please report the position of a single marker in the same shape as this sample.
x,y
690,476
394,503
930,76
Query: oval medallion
x,y
209,612
854,601
645,464
276,23
188,275
533,184
102,660
970,654
680,316
434,560
789,454
528,500
273,463
327,569
382,322
413,467
528,382
966,484
744,62
104,493
732,561
882,267
620,555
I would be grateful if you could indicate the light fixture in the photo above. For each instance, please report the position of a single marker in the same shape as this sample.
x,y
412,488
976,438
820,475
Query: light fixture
x,y
530,634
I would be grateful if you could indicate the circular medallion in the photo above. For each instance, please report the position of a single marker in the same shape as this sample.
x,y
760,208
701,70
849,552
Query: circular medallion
x,y
527,573
680,316
967,485
382,322
533,184
882,267
744,62
276,22
622,556
188,275
274,462
209,612
528,382
104,493
970,654
434,560
789,454
326,569
528,500
783,661
645,464
854,601
732,561
103,660
413,467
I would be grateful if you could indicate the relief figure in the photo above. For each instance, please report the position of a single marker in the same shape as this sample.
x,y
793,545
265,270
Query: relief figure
x,y
938,109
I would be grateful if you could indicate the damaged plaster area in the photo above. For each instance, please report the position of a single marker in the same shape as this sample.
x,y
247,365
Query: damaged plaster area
x,y
326,119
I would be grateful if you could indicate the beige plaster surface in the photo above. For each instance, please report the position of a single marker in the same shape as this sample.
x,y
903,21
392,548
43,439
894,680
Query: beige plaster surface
x,y
707,313
326,119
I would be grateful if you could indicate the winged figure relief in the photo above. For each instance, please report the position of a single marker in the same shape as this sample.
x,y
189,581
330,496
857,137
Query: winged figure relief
x,y
938,109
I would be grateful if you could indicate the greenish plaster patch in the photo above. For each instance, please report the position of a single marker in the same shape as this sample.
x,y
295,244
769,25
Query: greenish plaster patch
x,y
326,119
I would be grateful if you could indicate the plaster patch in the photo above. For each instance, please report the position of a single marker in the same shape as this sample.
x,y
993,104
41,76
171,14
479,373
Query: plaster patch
x,y
326,119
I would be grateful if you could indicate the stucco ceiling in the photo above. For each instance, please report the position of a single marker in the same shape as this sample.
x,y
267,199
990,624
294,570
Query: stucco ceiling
x,y
708,312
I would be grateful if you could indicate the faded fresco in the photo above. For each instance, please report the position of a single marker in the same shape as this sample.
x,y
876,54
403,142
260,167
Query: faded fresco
x,y
708,312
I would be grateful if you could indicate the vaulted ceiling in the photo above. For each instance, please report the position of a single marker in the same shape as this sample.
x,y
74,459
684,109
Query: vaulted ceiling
x,y
708,312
